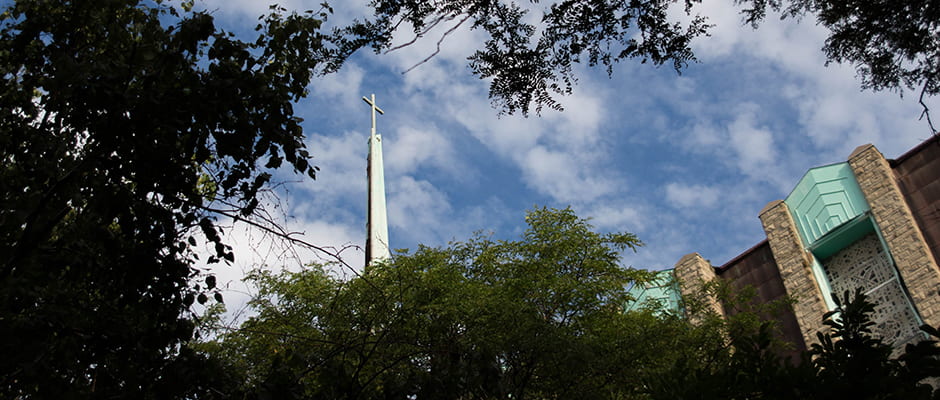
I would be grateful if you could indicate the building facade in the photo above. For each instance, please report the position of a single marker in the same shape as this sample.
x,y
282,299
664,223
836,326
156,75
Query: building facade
x,y
869,223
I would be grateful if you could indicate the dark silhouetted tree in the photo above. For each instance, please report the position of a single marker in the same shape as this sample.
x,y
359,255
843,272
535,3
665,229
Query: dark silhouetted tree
x,y
127,128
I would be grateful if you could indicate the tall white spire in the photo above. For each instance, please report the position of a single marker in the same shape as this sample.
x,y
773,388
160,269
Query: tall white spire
x,y
377,220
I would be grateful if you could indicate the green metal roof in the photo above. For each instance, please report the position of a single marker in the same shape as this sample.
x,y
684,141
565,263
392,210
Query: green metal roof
x,y
824,199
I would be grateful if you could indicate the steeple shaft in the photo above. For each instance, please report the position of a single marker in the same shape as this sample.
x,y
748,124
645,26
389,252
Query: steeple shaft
x,y
377,249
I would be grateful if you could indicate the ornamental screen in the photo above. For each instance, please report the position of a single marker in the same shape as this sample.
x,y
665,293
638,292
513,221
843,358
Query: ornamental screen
x,y
865,264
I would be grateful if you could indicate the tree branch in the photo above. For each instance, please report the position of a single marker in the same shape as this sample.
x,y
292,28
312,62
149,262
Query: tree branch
x,y
425,31
926,111
281,233
420,34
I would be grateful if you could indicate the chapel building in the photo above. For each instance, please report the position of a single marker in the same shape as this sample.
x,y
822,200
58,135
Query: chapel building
x,y
869,222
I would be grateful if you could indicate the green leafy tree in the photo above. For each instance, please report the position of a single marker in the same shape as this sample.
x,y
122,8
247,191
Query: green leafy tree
x,y
529,63
127,128
893,44
541,317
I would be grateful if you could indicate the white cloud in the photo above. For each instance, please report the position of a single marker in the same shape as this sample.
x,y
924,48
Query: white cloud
x,y
704,135
753,145
342,87
507,137
838,116
577,127
724,35
411,148
697,197
564,177
618,216
418,209
790,45
342,162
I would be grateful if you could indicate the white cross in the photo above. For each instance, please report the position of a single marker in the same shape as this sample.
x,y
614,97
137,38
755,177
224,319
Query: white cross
x,y
374,109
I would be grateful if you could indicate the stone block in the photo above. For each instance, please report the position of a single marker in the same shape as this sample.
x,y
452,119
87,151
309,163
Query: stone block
x,y
913,259
795,268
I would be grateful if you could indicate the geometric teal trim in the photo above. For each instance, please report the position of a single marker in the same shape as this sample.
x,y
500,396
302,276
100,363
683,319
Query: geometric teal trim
x,y
820,274
660,294
824,199
840,238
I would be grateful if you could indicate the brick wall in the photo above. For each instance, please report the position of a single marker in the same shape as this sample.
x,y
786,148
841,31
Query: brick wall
x,y
757,268
918,176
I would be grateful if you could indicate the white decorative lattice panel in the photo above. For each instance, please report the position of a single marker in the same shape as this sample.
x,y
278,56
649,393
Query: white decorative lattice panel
x,y
894,318
864,264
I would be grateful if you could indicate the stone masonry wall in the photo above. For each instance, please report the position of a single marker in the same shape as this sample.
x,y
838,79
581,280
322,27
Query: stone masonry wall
x,y
913,258
693,272
795,268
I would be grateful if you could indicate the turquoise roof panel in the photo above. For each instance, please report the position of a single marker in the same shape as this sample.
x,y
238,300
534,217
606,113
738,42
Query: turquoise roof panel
x,y
824,199
848,233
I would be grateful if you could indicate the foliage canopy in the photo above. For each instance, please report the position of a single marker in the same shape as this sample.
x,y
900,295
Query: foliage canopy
x,y
529,62
541,317
893,44
127,128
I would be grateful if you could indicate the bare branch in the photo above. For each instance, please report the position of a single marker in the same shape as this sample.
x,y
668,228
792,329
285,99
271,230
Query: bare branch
x,y
401,21
926,111
420,34
439,41
328,251
270,333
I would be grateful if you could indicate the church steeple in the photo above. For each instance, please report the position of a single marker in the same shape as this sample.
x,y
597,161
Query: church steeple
x,y
377,249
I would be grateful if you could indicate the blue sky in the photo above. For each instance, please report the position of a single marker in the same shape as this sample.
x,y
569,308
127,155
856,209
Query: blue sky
x,y
684,161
